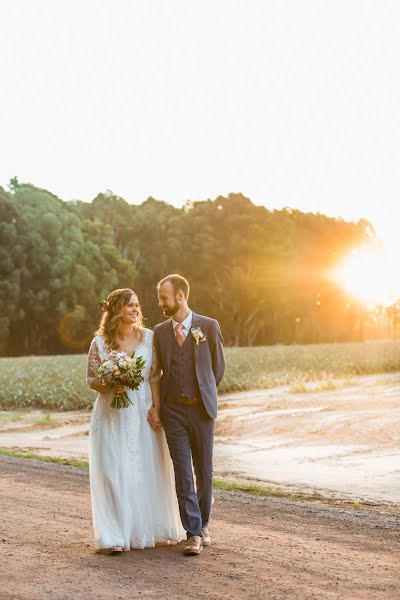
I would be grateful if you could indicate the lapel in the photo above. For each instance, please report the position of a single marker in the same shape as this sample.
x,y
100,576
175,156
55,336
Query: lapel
x,y
168,333
196,321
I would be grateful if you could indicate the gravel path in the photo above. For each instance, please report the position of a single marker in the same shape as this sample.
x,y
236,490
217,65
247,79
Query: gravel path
x,y
262,547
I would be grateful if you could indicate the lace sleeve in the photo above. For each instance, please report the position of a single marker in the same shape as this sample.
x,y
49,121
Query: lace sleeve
x,y
155,371
93,363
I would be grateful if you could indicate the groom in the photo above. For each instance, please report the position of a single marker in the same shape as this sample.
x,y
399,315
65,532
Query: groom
x,y
189,348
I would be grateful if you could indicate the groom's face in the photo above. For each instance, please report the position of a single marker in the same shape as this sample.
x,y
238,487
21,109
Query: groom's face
x,y
167,300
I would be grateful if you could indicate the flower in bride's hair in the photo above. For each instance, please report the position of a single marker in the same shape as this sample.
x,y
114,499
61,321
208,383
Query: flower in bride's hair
x,y
103,305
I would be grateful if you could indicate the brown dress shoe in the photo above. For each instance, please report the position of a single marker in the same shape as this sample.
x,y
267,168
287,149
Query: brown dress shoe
x,y
206,536
194,545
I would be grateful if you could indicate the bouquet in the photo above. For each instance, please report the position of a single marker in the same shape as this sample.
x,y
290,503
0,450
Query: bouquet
x,y
121,369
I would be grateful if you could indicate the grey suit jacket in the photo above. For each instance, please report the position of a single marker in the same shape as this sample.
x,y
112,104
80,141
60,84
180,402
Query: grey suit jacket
x,y
209,358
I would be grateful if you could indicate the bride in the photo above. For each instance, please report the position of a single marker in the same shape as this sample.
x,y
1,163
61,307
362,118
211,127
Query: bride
x,y
132,486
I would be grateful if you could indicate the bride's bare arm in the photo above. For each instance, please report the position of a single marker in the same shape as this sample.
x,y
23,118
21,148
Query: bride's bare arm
x,y
155,395
153,416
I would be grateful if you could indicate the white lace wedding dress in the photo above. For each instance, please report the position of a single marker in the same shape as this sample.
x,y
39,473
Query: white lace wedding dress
x,y
132,484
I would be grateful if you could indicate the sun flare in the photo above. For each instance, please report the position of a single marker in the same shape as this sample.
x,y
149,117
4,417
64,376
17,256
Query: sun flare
x,y
368,276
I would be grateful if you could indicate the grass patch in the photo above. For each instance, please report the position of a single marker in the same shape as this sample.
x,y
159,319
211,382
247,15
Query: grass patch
x,y
83,464
326,385
58,382
45,420
299,388
250,488
10,417
357,505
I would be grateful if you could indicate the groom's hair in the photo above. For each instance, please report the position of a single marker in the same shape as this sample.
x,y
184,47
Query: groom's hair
x,y
178,283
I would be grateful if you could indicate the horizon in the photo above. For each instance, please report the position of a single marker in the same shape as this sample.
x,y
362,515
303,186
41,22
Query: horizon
x,y
111,193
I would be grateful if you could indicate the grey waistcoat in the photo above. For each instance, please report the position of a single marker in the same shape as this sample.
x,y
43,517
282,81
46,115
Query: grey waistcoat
x,y
182,376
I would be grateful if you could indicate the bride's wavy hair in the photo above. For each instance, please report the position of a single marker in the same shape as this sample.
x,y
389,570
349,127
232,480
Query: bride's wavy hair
x,y
113,309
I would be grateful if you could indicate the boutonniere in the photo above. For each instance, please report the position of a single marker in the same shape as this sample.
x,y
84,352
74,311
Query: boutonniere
x,y
198,335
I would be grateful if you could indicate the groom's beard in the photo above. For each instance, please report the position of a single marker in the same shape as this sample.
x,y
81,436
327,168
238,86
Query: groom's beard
x,y
169,312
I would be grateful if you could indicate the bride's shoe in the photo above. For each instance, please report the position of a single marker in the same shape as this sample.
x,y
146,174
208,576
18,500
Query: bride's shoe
x,y
109,551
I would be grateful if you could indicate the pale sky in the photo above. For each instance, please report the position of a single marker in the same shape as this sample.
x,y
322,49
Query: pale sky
x,y
292,102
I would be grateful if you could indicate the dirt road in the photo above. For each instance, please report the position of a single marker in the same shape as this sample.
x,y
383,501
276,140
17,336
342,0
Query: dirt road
x,y
263,548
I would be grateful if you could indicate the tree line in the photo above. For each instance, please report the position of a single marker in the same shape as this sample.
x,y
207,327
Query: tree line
x,y
264,274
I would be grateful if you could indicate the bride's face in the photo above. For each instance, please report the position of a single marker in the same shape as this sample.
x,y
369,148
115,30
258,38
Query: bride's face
x,y
131,313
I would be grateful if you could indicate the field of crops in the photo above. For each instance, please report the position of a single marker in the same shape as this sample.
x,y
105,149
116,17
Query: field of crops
x,y
58,382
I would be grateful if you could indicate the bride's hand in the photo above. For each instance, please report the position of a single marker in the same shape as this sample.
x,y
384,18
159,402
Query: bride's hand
x,y
118,389
153,417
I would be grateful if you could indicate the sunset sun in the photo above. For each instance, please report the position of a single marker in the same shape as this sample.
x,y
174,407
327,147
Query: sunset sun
x,y
368,276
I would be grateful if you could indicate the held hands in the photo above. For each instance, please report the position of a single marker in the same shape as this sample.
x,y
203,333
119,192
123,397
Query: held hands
x,y
153,417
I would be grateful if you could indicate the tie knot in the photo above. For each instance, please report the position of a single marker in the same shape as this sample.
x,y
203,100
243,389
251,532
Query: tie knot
x,y
178,327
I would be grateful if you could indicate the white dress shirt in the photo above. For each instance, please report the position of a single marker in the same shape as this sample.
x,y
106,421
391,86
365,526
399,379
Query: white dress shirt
x,y
187,323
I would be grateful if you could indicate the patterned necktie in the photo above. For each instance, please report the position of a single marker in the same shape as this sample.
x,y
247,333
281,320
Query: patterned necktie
x,y
180,338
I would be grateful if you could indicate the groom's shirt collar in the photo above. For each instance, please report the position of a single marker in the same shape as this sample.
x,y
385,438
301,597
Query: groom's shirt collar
x,y
187,322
